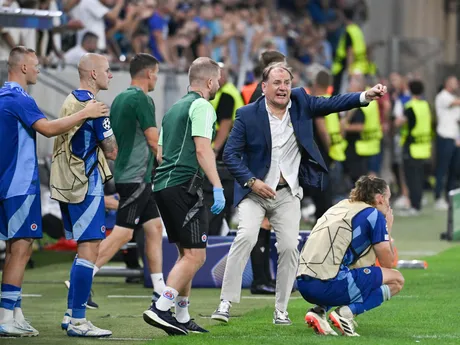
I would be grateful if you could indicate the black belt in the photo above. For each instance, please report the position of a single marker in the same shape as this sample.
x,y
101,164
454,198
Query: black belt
x,y
281,186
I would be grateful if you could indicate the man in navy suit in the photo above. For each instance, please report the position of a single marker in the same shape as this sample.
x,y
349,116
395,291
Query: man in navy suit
x,y
272,156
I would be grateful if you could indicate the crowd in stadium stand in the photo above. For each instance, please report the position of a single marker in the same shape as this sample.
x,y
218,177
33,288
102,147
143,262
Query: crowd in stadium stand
x,y
176,32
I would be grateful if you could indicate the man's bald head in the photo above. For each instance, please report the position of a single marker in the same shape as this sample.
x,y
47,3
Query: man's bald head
x,y
94,71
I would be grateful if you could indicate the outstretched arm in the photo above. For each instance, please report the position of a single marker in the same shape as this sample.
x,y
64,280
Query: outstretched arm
x,y
321,106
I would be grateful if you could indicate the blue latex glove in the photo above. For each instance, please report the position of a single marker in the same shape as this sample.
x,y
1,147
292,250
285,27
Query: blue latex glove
x,y
219,200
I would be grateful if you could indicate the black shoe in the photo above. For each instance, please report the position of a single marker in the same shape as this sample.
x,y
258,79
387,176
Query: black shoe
x,y
163,320
192,327
272,283
263,289
133,280
155,297
91,304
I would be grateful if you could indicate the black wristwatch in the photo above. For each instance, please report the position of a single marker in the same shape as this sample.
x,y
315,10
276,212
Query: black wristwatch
x,y
250,182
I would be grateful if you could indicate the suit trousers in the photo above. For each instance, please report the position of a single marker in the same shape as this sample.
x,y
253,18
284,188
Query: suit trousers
x,y
283,212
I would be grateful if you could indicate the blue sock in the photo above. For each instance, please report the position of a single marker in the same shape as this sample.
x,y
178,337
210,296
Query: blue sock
x,y
10,295
71,289
372,301
82,279
18,302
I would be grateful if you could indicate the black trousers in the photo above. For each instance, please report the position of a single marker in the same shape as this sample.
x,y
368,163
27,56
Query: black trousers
x,y
414,172
215,220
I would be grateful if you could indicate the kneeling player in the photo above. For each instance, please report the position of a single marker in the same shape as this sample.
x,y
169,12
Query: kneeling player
x,y
337,261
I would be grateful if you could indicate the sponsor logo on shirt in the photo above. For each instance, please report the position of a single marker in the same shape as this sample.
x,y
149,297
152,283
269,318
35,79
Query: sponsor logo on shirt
x,y
106,124
34,227
103,228
367,271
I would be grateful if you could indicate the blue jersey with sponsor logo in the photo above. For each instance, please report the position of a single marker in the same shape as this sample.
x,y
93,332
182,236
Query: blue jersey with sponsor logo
x,y
369,228
85,141
18,147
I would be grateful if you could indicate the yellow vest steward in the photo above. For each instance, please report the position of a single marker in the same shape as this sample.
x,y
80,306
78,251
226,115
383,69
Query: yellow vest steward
x,y
358,45
369,144
420,147
68,181
329,240
231,90
338,144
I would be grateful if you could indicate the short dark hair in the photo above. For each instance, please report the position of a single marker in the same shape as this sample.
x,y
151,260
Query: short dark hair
x,y
271,56
140,62
271,67
323,79
17,53
202,69
89,35
366,188
257,71
416,87
349,13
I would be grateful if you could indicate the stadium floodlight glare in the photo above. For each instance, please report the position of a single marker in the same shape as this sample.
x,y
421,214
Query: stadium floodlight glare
x,y
27,18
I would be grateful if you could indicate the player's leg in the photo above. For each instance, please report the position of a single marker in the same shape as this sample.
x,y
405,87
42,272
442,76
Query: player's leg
x,y
111,245
153,229
251,212
369,287
284,217
88,228
21,223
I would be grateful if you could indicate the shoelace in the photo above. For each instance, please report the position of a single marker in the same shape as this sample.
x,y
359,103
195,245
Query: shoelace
x,y
282,315
223,307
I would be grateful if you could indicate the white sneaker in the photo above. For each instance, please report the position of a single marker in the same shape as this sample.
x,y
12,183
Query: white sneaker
x,y
26,325
319,323
345,325
13,328
222,312
65,321
411,212
87,329
441,205
281,318
402,202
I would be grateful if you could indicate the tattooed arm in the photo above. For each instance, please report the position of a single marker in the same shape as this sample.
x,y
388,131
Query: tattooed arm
x,y
110,147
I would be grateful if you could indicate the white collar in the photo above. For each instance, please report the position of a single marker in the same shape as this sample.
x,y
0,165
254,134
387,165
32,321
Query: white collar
x,y
270,113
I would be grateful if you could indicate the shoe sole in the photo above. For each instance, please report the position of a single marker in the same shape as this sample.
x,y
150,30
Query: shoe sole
x,y
77,335
24,335
282,324
154,320
334,317
220,318
91,307
314,323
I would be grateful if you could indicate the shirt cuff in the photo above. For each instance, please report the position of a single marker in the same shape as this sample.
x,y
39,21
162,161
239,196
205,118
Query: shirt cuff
x,y
362,98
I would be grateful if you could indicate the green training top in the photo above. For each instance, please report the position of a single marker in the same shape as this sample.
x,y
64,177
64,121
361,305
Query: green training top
x,y
192,116
132,112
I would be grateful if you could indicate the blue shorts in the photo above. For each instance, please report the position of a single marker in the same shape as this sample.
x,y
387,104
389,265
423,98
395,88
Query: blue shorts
x,y
21,217
84,221
353,286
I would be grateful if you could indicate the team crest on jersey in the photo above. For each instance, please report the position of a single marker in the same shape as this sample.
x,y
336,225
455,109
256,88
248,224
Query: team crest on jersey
x,y
136,221
106,124
103,228
169,295
34,227
182,304
367,270
204,238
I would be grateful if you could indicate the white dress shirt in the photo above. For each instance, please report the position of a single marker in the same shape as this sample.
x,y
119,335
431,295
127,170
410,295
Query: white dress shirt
x,y
286,156
285,152
447,116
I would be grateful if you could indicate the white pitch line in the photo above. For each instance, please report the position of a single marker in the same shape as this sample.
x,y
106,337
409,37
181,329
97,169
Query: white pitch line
x,y
31,295
266,297
129,296
125,339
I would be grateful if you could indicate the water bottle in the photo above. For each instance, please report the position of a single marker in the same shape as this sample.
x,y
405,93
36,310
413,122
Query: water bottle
x,y
412,264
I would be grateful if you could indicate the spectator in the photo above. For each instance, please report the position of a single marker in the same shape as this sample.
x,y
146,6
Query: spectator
x,y
88,45
447,140
93,13
158,28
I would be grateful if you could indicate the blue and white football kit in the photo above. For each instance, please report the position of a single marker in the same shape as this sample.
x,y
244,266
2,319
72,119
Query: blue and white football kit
x,y
20,209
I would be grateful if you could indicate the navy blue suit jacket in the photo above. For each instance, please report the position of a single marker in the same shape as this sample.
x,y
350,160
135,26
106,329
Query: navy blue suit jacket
x,y
248,150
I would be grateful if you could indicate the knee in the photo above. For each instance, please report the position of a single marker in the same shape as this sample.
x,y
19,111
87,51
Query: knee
x,y
397,283
289,248
247,237
197,256
400,280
